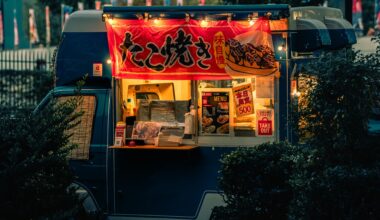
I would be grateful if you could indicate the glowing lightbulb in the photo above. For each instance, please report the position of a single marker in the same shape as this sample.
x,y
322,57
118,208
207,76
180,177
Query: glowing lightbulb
x,y
110,21
204,23
251,22
281,47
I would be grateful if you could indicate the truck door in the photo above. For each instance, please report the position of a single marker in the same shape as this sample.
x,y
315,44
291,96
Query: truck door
x,y
88,160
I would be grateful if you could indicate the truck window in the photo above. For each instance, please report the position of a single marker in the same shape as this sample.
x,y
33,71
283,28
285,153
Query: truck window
x,y
83,131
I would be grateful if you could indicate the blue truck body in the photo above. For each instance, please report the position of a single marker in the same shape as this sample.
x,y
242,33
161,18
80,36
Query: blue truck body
x,y
166,184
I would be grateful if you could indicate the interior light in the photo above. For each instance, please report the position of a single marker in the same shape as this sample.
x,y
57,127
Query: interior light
x,y
204,23
109,61
251,22
296,93
110,21
229,17
156,21
281,47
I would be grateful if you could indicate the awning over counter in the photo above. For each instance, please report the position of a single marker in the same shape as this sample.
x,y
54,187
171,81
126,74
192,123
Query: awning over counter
x,y
318,28
341,32
311,35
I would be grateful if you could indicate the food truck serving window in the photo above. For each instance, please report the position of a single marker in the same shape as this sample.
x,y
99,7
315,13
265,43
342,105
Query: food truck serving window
x,y
224,67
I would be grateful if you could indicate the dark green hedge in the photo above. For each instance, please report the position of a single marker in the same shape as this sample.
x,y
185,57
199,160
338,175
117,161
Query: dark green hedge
x,y
255,182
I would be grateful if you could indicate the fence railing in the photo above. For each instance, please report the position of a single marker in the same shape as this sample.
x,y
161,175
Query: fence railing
x,y
25,77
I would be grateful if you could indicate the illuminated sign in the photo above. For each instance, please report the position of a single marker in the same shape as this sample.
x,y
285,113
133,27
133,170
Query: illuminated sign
x,y
180,49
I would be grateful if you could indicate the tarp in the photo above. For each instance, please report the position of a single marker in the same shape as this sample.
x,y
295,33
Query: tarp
x,y
189,49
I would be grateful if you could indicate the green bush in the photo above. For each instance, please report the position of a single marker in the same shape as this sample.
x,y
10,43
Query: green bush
x,y
338,92
34,170
337,192
338,176
255,182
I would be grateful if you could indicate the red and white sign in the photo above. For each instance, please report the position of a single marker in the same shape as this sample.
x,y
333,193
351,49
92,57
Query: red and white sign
x,y
98,5
97,69
264,122
33,33
293,87
1,28
119,134
243,99
189,49
47,23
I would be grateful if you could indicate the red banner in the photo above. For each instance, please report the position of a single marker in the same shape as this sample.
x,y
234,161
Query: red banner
x,y
180,49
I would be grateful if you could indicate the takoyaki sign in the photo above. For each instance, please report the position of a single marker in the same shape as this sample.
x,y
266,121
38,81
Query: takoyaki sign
x,y
179,49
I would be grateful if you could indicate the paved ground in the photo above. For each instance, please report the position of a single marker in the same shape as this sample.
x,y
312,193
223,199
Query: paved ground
x,y
365,45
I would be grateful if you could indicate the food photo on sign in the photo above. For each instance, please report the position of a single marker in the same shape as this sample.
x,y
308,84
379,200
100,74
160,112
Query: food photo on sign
x,y
215,113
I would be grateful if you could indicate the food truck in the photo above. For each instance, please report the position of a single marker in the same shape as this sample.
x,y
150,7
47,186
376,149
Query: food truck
x,y
169,90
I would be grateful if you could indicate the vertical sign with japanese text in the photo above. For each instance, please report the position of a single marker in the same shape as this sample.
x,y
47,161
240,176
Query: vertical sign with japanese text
x,y
243,99
264,122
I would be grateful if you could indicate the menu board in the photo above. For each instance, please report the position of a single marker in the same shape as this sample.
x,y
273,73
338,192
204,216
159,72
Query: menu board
x,y
215,113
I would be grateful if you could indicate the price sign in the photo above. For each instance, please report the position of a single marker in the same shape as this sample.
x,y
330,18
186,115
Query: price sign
x,y
264,122
243,99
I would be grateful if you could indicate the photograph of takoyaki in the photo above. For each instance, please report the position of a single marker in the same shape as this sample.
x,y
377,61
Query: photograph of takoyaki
x,y
205,112
222,119
209,129
223,105
224,129
206,121
248,55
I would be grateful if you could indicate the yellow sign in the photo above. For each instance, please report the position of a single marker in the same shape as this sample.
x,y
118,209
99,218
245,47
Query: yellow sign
x,y
243,99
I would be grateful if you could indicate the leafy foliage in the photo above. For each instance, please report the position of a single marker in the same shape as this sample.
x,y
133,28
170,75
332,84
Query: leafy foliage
x,y
335,173
335,192
338,92
34,172
339,174
255,182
